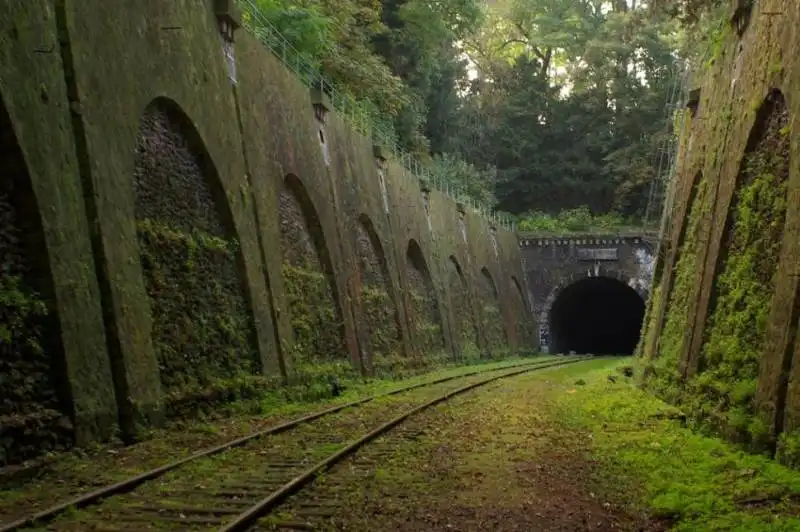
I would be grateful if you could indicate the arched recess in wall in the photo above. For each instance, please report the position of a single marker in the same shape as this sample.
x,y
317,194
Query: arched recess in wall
x,y
681,272
377,301
463,315
490,310
202,326
34,395
426,320
522,313
745,269
308,278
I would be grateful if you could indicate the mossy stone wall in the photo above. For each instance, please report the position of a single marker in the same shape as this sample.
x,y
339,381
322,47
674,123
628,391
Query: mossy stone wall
x,y
724,340
202,327
147,214
67,394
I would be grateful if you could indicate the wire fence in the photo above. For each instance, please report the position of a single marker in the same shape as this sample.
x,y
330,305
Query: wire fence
x,y
361,114
659,194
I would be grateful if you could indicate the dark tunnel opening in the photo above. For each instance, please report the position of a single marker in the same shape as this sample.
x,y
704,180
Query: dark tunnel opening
x,y
596,315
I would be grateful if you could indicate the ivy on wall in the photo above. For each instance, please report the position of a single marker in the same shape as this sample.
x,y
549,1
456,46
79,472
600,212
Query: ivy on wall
x,y
492,318
378,307
720,395
200,322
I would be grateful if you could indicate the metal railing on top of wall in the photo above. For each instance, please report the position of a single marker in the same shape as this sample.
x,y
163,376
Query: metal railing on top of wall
x,y
361,114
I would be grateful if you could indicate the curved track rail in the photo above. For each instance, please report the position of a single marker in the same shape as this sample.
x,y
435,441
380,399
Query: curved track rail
x,y
221,492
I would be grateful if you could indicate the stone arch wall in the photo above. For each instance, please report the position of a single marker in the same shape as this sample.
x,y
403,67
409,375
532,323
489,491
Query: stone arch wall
x,y
462,311
490,311
201,322
523,317
309,281
378,304
35,415
426,321
746,266
672,286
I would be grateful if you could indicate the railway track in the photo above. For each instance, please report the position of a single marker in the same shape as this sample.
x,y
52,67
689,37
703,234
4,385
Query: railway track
x,y
232,487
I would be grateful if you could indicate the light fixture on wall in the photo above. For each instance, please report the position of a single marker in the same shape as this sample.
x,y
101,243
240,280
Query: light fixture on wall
x,y
228,21
426,200
322,106
321,103
462,220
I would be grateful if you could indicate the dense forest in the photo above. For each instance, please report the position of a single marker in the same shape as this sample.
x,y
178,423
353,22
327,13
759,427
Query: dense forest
x,y
534,107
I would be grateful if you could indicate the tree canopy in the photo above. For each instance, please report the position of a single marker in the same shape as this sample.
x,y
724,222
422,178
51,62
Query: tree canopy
x,y
529,105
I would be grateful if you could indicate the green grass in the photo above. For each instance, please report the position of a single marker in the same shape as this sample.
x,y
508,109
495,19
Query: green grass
x,y
697,482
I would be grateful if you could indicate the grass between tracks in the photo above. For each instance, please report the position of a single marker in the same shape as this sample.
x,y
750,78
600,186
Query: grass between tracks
x,y
567,449
82,470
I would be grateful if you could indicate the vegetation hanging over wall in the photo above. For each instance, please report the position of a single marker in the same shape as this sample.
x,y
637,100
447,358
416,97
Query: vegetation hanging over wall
x,y
533,104
377,305
318,348
744,283
31,419
202,328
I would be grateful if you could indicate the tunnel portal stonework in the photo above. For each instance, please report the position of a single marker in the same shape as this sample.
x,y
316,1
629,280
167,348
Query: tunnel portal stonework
x,y
553,263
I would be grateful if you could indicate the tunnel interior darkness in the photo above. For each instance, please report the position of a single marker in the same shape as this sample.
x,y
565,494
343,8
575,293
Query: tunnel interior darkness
x,y
597,315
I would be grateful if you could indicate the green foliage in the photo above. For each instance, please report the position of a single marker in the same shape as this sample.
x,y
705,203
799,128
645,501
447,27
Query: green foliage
x,y
649,321
427,328
454,173
737,325
789,449
30,417
201,325
650,461
576,220
315,319
568,104
665,378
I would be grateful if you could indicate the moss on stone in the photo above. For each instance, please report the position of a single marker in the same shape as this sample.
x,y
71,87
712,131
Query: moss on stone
x,y
665,377
201,327
744,288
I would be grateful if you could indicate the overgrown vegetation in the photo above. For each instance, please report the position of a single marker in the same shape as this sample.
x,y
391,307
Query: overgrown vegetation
x,y
577,220
317,352
201,324
662,371
745,284
650,461
529,104
31,416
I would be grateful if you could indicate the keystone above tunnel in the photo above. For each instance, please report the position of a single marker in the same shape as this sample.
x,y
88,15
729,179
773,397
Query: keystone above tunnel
x,y
596,315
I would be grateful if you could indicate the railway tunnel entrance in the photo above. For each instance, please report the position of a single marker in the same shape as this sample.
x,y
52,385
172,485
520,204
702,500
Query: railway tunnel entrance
x,y
596,315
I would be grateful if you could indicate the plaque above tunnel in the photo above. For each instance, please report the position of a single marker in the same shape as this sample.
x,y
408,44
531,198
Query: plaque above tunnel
x,y
593,254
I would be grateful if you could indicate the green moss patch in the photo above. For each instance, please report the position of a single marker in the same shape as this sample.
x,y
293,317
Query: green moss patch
x,y
663,376
32,413
745,283
202,328
648,460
